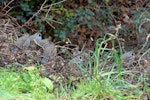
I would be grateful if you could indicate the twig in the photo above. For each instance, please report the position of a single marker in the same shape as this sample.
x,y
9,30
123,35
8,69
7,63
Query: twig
x,y
33,51
143,55
50,9
147,38
5,26
144,21
38,43
41,8
34,14
4,53
53,5
104,49
57,46
48,23
83,47
7,5
56,22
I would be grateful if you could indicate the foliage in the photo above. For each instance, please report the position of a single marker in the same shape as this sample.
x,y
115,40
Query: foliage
x,y
61,19
67,20
83,16
101,83
69,27
104,75
98,83
96,90
24,84
26,9
34,12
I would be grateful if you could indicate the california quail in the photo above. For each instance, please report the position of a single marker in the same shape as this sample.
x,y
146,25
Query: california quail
x,y
128,58
35,38
49,53
23,42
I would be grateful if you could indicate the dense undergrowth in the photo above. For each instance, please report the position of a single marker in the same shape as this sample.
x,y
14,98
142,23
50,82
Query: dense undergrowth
x,y
99,83
104,77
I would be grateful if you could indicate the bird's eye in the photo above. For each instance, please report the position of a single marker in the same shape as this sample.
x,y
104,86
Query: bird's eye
x,y
132,54
80,57
39,34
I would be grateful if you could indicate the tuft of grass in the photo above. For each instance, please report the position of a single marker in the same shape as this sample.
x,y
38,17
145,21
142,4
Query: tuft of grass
x,y
101,83
96,90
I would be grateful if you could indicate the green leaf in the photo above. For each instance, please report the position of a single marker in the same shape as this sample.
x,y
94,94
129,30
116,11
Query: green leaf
x,y
31,69
26,77
23,30
21,18
48,83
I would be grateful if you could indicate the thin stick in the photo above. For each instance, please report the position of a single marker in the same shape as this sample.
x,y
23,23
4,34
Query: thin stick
x,y
147,38
7,5
35,14
38,44
144,21
57,46
143,55
48,23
